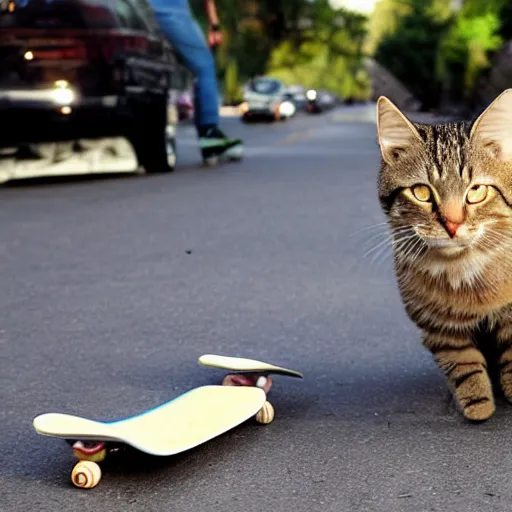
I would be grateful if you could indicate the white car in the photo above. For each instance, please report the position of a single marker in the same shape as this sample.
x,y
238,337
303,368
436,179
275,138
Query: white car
x,y
266,97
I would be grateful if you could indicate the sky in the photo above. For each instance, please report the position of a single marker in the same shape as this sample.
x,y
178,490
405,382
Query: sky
x,y
365,6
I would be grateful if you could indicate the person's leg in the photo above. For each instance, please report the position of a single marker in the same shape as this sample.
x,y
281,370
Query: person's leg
x,y
186,37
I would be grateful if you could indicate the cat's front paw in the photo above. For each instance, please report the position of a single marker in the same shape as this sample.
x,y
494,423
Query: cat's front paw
x,y
479,409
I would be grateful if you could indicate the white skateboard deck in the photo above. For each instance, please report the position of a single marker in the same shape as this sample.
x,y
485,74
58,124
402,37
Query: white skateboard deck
x,y
239,364
176,426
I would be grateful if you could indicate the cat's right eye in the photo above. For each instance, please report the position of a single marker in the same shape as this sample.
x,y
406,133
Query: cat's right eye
x,y
422,193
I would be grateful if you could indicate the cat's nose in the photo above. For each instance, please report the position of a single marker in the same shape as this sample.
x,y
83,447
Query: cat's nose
x,y
452,216
451,227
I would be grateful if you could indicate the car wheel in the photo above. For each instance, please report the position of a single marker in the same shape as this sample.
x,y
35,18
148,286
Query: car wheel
x,y
154,137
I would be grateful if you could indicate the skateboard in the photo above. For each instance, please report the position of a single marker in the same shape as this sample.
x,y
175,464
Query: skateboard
x,y
181,424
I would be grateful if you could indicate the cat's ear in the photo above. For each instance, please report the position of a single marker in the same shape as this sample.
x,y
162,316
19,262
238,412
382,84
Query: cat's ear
x,y
493,129
395,132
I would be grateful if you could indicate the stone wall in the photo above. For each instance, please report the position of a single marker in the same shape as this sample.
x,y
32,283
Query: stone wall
x,y
497,79
385,84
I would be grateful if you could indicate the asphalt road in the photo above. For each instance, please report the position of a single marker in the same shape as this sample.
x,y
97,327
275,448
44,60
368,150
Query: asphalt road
x,y
112,288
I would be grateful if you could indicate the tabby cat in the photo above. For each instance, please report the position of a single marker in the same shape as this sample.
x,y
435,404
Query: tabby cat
x,y
446,190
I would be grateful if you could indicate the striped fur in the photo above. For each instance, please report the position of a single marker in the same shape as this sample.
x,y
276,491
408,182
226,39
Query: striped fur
x,y
456,287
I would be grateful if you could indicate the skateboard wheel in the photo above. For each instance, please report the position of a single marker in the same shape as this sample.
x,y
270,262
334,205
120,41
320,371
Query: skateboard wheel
x,y
86,474
266,414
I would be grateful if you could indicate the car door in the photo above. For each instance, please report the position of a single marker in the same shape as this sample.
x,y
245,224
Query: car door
x,y
180,78
148,66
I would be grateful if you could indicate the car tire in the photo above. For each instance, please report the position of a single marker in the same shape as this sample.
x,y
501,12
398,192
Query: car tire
x,y
154,137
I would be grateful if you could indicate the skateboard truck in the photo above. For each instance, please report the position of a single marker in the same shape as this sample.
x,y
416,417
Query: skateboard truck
x,y
173,427
249,372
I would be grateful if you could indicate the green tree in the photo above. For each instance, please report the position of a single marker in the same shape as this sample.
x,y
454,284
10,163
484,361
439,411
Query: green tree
x,y
463,53
411,52
302,41
437,53
326,53
505,16
388,15
233,92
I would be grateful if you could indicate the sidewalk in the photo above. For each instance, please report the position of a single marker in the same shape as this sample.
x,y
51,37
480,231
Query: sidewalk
x,y
229,111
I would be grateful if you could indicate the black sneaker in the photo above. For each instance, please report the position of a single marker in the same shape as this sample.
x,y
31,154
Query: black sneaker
x,y
213,142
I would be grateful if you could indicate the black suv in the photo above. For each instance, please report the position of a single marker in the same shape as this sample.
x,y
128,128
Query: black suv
x,y
73,72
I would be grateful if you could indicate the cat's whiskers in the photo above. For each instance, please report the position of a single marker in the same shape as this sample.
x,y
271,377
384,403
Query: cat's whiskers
x,y
388,237
381,255
378,247
389,232
374,248
402,243
498,235
419,250
398,240
381,252
413,240
496,243
380,225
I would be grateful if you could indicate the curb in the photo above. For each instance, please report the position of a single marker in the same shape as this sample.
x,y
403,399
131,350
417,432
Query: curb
x,y
229,111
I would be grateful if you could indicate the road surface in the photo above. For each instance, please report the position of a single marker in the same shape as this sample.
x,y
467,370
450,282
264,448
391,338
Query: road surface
x,y
112,288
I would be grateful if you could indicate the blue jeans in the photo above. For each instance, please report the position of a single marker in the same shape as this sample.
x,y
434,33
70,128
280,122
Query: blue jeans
x,y
185,35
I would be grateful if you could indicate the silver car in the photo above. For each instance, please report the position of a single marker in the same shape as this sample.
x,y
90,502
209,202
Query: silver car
x,y
266,97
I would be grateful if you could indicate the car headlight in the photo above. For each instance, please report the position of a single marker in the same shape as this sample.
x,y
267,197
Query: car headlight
x,y
287,108
62,94
311,95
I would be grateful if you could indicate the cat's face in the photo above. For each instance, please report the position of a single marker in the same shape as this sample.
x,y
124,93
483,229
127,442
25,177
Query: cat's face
x,y
447,189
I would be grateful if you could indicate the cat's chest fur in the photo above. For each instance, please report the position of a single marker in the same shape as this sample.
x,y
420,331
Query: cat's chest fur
x,y
463,293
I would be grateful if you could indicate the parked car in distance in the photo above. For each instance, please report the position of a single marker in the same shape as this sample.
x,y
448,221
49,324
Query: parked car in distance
x,y
326,99
298,95
85,87
266,97
319,101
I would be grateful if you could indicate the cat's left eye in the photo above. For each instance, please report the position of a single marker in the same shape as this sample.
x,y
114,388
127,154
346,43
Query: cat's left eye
x,y
477,194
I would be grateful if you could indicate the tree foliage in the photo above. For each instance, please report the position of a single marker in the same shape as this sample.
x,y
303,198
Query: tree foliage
x,y
437,52
410,52
463,52
326,52
299,41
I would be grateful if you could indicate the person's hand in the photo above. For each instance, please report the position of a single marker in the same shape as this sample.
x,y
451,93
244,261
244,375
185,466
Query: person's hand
x,y
215,36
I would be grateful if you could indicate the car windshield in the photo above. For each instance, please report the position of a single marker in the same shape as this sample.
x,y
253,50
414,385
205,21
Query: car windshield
x,y
265,86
